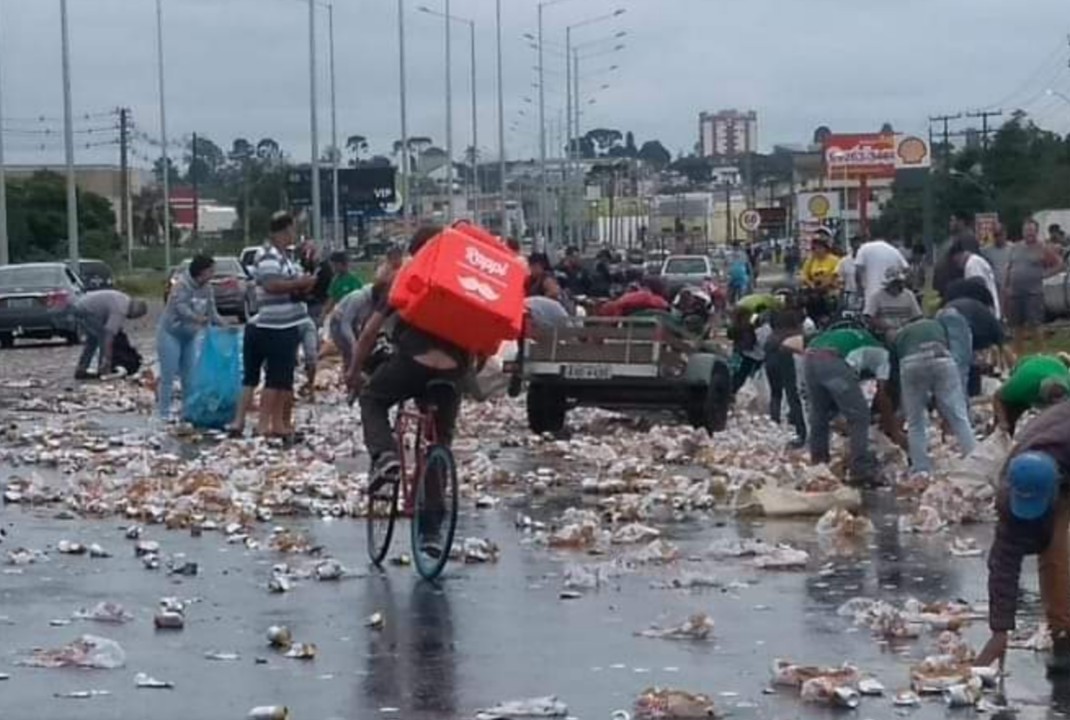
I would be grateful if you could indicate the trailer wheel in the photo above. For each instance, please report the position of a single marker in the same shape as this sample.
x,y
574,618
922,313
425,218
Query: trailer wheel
x,y
546,409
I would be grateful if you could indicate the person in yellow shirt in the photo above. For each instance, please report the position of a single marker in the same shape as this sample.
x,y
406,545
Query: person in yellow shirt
x,y
820,278
819,272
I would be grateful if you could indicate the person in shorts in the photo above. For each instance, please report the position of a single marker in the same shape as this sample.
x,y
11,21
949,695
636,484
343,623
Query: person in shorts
x,y
1031,261
274,333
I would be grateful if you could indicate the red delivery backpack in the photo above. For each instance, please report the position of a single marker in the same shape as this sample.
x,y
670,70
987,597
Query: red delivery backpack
x,y
465,287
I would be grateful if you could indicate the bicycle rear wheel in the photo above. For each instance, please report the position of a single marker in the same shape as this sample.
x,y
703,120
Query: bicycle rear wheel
x,y
434,517
382,516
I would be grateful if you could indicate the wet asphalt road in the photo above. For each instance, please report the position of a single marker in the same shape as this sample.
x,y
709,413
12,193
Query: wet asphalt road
x,y
488,633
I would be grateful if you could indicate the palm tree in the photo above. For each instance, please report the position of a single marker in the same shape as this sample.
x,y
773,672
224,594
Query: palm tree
x,y
268,150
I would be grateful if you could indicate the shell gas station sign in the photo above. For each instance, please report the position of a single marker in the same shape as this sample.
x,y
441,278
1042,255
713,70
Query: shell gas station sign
x,y
870,156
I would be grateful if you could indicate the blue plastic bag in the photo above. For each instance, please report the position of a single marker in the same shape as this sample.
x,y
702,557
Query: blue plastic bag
x,y
213,389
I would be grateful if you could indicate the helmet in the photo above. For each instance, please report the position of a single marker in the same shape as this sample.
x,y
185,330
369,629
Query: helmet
x,y
894,275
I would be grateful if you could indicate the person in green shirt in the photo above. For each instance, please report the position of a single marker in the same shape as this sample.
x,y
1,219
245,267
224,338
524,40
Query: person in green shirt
x,y
834,364
1037,381
928,372
344,281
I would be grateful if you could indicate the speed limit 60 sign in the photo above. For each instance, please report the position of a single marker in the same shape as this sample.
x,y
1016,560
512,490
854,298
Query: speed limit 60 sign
x,y
750,220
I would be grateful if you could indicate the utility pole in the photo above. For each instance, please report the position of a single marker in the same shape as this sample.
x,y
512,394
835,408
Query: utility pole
x,y
944,120
68,140
984,115
501,127
405,206
4,253
195,172
124,182
317,208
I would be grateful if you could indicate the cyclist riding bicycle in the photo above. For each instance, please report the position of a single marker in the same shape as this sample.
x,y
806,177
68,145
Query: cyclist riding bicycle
x,y
419,359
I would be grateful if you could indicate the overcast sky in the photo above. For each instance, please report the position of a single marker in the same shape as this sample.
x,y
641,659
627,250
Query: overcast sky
x,y
239,68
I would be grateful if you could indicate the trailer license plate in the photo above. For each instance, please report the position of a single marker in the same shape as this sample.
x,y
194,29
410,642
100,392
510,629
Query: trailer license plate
x,y
587,372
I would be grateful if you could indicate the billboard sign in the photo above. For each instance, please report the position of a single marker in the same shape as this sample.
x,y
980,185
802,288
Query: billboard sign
x,y
985,226
869,155
912,153
358,188
874,155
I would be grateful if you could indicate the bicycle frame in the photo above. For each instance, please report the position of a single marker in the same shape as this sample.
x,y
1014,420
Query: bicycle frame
x,y
420,426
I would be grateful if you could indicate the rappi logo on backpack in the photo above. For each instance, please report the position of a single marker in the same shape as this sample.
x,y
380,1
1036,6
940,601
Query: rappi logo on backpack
x,y
493,270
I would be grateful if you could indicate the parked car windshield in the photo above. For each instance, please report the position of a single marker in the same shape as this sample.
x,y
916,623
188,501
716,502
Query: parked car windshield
x,y
14,276
229,267
686,266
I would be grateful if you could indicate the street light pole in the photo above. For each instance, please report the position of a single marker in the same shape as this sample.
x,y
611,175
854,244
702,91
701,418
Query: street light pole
x,y
501,125
543,190
165,158
404,160
449,120
568,134
475,129
317,215
5,256
339,241
68,136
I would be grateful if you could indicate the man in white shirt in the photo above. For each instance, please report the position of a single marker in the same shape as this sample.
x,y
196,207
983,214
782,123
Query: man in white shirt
x,y
852,299
975,266
872,263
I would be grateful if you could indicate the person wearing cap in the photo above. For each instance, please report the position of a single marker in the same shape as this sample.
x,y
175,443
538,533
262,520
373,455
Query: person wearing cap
x,y
927,373
1033,519
820,278
834,364
101,315
343,281
894,305
819,271
1036,381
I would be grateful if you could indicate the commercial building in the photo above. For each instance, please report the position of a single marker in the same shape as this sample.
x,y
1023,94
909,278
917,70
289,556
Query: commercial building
x,y
727,135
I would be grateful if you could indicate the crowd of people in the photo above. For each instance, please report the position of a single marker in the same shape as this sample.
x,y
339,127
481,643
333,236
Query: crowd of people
x,y
846,319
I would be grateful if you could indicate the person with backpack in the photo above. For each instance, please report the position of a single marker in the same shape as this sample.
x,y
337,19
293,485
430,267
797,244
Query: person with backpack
x,y
101,315
418,359
190,307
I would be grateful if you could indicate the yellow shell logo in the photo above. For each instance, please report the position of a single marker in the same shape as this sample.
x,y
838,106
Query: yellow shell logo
x,y
912,151
819,206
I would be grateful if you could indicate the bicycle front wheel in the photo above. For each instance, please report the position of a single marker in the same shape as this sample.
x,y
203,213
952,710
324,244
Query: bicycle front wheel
x,y
434,517
382,515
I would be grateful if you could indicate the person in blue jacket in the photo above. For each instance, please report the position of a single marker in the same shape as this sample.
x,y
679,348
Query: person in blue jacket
x,y
190,307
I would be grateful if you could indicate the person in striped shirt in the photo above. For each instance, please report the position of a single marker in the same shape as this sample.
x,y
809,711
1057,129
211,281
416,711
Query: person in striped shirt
x,y
273,334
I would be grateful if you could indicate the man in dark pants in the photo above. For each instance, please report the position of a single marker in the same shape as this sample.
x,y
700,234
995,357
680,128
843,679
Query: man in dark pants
x,y
835,363
102,315
419,359
780,372
1034,519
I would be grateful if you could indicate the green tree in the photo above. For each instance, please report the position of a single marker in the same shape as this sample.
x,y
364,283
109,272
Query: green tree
x,y
654,154
210,160
37,220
